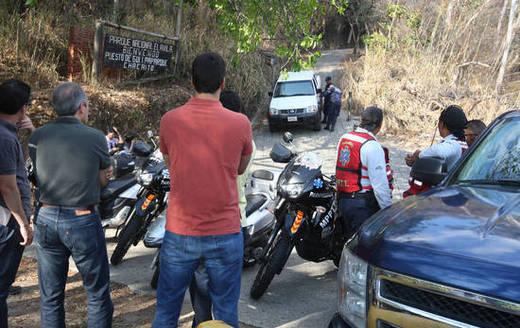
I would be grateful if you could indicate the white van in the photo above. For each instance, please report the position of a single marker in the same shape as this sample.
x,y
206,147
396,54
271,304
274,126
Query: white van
x,y
295,100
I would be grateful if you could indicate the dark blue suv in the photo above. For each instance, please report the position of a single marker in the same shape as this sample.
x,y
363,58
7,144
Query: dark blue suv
x,y
449,257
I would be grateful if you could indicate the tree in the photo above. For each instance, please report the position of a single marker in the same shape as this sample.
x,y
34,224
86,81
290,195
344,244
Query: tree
x,y
507,44
288,25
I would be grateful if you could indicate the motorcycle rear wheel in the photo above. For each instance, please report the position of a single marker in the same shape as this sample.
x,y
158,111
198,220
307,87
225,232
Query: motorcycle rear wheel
x,y
155,277
273,264
126,239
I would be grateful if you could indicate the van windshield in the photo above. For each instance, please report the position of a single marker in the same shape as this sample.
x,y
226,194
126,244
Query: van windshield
x,y
293,88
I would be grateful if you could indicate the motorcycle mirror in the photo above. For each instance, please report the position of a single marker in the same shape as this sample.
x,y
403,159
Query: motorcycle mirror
x,y
149,133
288,137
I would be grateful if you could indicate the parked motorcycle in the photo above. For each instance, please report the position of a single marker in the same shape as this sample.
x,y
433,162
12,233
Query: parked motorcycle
x,y
154,182
260,196
120,195
305,215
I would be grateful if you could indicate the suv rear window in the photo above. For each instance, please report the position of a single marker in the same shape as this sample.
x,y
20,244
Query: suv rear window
x,y
294,88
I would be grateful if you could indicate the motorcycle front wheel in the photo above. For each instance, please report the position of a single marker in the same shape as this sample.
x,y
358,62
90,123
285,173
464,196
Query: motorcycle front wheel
x,y
126,239
273,264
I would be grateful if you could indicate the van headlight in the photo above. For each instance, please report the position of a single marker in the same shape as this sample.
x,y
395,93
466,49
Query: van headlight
x,y
273,111
352,280
312,109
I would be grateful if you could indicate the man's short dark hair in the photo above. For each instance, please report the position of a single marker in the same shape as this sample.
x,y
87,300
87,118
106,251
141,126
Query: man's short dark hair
x,y
328,78
371,118
14,94
476,126
455,120
208,71
231,101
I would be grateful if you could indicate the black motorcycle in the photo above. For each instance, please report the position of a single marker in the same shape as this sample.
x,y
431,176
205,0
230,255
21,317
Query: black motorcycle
x,y
305,215
151,202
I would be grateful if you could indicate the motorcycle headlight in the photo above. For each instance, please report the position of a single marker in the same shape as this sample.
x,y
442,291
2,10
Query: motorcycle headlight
x,y
352,280
273,111
145,179
312,109
294,190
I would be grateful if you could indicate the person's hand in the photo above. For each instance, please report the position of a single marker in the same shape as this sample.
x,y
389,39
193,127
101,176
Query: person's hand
x,y
110,172
27,234
26,124
115,130
411,158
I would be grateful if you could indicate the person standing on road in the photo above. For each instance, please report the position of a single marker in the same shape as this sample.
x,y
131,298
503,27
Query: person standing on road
x,y
205,147
361,172
15,192
333,93
326,99
473,130
199,287
71,164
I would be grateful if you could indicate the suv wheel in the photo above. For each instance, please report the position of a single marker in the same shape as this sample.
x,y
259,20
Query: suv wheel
x,y
272,127
317,125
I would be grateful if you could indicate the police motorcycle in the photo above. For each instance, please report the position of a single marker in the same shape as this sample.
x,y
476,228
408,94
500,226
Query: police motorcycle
x,y
152,196
260,193
120,194
305,215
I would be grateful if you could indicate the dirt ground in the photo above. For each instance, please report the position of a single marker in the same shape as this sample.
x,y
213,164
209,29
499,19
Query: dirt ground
x,y
130,309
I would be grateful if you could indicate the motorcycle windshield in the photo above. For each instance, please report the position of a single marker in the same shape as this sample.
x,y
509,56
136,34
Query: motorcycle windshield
x,y
302,171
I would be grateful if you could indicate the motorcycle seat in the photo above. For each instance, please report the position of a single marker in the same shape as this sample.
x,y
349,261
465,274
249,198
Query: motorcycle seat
x,y
263,174
116,187
254,202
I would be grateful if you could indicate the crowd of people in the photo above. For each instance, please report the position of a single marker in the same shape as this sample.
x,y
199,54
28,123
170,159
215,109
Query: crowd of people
x,y
205,142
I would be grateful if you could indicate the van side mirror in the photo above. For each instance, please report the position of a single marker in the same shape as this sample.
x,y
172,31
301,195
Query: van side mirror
x,y
288,137
430,170
319,90
270,93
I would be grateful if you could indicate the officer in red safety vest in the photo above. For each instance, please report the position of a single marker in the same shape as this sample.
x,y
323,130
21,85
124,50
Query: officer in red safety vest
x,y
451,125
362,173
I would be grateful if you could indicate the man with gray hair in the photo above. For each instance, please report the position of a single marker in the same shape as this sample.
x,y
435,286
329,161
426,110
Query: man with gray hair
x,y
361,172
71,163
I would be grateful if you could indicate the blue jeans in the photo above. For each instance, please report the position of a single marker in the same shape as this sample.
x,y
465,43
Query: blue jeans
x,y
199,295
332,115
59,234
180,256
10,257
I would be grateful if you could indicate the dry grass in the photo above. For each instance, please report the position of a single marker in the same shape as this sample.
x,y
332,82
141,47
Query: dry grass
x,y
413,73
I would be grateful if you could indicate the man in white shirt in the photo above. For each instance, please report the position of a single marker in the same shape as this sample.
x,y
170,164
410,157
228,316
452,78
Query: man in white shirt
x,y
361,172
451,125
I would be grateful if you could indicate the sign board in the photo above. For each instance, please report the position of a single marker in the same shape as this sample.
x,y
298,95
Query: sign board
x,y
135,54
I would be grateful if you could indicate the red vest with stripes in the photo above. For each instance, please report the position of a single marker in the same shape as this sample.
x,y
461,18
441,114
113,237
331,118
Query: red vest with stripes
x,y
351,175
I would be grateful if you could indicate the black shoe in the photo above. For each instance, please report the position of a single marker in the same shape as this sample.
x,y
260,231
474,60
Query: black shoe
x,y
326,128
15,290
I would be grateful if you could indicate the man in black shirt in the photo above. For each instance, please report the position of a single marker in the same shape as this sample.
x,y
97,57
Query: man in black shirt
x,y
71,164
15,194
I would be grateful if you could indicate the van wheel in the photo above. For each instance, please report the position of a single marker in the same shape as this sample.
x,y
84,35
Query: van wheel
x,y
272,127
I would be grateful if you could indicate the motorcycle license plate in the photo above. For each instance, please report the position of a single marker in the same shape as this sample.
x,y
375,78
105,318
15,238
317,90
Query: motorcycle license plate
x,y
292,119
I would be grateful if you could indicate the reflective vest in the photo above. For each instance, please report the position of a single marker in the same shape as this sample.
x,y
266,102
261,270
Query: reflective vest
x,y
351,174
418,187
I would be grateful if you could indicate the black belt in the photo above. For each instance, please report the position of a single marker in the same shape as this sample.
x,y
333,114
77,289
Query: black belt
x,y
351,195
80,210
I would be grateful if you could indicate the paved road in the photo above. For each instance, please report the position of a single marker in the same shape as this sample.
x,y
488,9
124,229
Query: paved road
x,y
304,295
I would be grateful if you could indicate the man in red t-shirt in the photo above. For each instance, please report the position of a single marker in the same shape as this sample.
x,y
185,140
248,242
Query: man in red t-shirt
x,y
205,147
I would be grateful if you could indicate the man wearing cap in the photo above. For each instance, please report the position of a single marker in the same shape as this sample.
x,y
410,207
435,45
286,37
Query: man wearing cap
x,y
361,172
451,125
332,100
71,164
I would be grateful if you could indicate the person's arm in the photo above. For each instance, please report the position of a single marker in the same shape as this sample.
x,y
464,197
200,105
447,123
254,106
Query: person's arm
x,y
105,165
11,195
105,175
244,162
373,155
